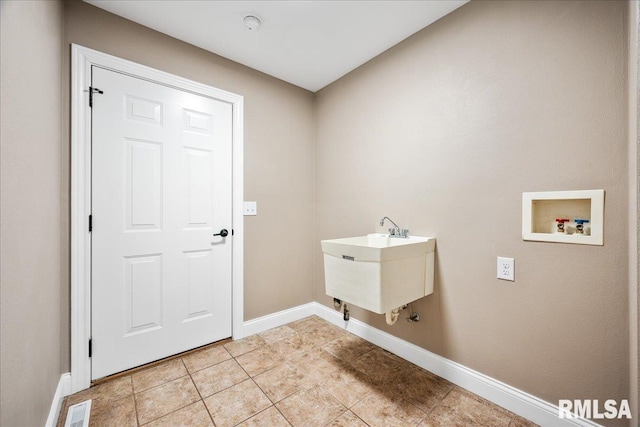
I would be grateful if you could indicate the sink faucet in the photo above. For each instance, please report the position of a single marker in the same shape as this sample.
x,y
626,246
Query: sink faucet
x,y
396,231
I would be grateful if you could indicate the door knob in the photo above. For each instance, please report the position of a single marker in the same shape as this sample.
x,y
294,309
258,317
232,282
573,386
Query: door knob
x,y
223,233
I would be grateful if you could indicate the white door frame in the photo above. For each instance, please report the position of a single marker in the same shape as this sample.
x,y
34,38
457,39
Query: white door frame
x,y
82,59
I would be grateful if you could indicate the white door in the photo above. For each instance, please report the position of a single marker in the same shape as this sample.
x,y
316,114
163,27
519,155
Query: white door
x,y
161,188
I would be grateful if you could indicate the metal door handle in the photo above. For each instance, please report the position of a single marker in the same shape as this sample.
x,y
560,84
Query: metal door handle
x,y
223,233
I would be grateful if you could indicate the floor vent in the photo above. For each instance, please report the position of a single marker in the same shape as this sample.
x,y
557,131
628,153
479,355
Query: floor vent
x,y
78,414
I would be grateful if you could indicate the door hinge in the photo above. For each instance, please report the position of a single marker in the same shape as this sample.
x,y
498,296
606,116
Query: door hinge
x,y
232,232
93,90
90,223
90,349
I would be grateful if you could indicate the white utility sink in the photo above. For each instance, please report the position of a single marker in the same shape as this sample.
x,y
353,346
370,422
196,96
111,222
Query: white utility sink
x,y
378,272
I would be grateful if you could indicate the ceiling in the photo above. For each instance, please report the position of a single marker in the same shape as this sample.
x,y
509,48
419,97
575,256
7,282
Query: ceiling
x,y
307,43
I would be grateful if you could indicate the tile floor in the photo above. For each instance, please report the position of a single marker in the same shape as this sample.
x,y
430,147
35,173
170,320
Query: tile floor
x,y
307,373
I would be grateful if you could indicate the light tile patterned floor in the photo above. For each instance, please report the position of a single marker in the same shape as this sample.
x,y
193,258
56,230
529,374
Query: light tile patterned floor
x,y
307,373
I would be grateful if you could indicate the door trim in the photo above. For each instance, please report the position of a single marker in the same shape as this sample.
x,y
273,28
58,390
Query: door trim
x,y
82,59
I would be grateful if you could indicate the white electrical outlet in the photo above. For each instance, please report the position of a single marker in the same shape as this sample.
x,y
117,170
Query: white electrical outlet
x,y
506,268
250,208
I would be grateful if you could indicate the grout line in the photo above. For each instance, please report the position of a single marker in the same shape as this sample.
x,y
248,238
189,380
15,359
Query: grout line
x,y
155,363
419,409
198,391
135,403
178,409
242,367
210,366
172,412
289,364
226,388
360,400
159,385
345,411
254,382
283,416
261,389
286,362
358,417
165,383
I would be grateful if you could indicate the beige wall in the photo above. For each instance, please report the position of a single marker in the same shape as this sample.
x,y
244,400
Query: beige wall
x,y
278,151
443,133
30,210
634,237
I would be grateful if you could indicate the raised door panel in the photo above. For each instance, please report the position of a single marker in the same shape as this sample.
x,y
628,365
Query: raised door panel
x,y
198,166
198,292
143,293
143,185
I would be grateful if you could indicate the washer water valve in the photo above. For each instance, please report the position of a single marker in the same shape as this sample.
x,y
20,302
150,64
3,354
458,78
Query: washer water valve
x,y
580,225
560,225
339,304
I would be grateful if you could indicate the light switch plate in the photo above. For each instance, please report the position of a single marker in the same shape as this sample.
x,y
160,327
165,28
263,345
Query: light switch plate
x,y
506,269
250,208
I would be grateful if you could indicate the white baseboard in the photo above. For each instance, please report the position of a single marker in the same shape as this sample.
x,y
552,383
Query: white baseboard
x,y
261,324
511,398
63,390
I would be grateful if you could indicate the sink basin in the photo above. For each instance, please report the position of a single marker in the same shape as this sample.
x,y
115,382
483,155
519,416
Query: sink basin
x,y
378,272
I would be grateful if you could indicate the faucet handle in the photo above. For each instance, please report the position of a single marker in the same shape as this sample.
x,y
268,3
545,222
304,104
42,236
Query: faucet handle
x,y
404,232
392,232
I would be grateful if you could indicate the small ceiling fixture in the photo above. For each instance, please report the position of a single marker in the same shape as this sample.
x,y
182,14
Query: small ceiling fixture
x,y
252,22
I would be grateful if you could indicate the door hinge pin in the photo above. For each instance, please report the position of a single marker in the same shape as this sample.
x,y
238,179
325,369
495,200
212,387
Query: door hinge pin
x,y
93,90
90,349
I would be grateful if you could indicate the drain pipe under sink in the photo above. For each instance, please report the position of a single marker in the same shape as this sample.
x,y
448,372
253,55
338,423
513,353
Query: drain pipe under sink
x,y
392,316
